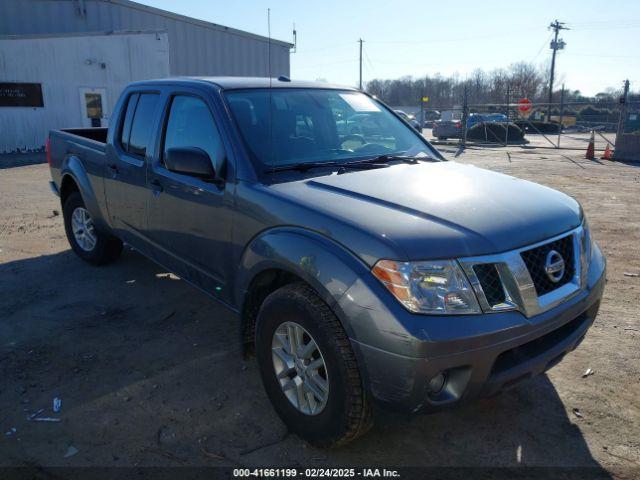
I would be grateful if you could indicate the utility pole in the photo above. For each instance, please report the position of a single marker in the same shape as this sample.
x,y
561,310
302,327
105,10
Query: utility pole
x,y
361,41
555,46
422,93
624,101
465,116
506,133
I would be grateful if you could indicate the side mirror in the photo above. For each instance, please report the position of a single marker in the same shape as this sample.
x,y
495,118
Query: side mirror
x,y
191,161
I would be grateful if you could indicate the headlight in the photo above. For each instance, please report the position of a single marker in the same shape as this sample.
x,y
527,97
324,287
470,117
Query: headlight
x,y
434,287
586,245
586,240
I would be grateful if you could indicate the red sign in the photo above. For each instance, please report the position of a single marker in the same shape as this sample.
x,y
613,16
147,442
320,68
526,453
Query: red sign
x,y
524,105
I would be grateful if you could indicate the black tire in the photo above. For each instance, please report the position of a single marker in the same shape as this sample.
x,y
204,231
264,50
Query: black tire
x,y
107,248
347,413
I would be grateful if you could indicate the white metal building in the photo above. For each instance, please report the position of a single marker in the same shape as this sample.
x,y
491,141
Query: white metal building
x,y
63,63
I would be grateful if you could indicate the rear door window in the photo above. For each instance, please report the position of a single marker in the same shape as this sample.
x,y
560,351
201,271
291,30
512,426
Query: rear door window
x,y
142,124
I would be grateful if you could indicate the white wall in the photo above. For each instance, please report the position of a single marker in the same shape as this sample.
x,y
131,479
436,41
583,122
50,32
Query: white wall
x,y
65,64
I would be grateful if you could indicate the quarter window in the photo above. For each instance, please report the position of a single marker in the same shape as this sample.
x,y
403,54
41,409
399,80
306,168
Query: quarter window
x,y
125,130
142,123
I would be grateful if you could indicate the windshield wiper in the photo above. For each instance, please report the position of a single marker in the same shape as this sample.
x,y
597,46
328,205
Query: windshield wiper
x,y
367,163
381,160
301,167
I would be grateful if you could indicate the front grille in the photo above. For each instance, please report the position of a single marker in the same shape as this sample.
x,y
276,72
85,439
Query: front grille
x,y
535,261
490,282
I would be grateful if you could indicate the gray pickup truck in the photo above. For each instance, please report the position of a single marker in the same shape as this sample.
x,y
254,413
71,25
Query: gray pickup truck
x,y
362,266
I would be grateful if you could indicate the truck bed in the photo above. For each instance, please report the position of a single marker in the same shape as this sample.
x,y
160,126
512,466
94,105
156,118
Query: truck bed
x,y
85,145
98,134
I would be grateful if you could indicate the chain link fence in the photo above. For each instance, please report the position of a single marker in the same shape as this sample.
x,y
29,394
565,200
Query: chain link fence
x,y
507,123
553,125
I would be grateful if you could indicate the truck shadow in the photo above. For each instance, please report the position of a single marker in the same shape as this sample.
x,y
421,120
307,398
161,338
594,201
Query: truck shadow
x,y
523,427
11,160
146,364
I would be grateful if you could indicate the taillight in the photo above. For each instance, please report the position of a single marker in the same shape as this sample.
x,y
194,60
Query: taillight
x,y
47,149
434,125
458,125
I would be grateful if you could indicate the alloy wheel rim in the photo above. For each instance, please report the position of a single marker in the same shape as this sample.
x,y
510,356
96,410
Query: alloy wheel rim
x,y
300,368
83,229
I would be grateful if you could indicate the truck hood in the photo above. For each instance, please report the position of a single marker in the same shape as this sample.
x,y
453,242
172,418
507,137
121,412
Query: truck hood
x,y
435,210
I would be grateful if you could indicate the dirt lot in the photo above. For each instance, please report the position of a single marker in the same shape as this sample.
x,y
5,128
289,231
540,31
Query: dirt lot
x,y
149,372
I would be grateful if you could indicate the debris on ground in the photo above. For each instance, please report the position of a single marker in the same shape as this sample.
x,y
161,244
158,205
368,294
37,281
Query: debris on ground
x,y
587,372
629,274
71,451
130,282
57,404
163,453
46,419
577,413
211,454
168,275
35,414
10,432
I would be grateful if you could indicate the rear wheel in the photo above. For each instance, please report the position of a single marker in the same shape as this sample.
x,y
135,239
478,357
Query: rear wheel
x,y
308,368
89,243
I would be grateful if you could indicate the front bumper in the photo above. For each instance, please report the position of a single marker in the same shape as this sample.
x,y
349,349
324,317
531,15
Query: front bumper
x,y
480,355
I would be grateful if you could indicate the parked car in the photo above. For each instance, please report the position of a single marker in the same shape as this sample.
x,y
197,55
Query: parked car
x,y
476,118
576,129
359,270
430,116
444,129
410,119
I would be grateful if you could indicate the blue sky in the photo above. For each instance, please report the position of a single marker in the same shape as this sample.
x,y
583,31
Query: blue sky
x,y
426,37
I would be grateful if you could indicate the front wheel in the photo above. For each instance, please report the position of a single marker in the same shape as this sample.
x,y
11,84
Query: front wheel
x,y
308,368
89,243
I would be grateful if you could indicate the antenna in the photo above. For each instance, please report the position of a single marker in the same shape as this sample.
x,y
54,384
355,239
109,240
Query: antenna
x,y
270,89
295,40
269,47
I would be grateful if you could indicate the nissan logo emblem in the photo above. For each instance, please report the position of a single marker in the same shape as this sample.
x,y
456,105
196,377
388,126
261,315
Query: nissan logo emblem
x,y
554,266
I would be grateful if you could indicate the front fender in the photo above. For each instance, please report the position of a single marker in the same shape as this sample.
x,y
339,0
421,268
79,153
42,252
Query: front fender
x,y
72,167
328,267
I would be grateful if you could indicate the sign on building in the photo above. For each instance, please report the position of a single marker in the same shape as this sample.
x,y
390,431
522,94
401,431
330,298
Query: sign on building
x,y
21,95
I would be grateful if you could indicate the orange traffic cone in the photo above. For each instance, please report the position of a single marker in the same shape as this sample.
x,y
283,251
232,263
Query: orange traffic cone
x,y
607,153
591,149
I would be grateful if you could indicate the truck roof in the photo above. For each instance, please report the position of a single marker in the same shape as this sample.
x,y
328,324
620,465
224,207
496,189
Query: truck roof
x,y
233,83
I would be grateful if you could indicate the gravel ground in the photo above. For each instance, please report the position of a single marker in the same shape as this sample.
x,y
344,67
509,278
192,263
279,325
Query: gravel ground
x,y
149,371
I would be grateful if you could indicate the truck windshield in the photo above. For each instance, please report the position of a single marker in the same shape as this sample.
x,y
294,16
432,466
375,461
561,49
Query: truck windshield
x,y
316,125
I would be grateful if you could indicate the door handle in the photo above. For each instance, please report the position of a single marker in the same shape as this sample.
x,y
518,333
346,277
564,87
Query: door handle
x,y
114,168
156,186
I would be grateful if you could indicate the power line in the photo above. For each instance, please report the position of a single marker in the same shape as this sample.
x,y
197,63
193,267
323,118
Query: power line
x,y
326,48
457,39
577,54
542,48
608,22
366,57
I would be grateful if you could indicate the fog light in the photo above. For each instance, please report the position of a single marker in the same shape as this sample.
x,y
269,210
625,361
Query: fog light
x,y
436,384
